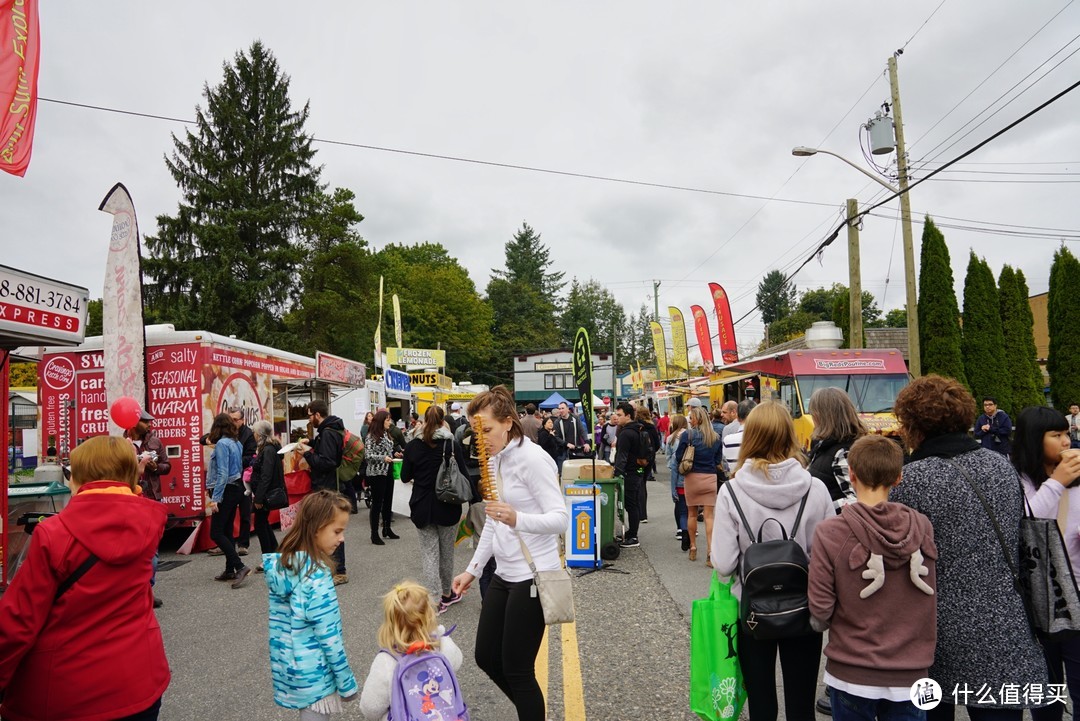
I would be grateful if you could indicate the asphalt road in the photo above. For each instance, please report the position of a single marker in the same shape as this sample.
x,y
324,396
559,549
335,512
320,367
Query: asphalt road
x,y
626,657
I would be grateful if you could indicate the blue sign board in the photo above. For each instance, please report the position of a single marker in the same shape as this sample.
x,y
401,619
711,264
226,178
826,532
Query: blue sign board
x,y
582,532
397,381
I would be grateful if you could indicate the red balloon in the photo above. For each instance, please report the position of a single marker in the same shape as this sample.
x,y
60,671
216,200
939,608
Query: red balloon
x,y
125,412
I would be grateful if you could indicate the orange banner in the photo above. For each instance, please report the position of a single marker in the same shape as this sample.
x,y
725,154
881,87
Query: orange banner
x,y
728,350
19,48
704,338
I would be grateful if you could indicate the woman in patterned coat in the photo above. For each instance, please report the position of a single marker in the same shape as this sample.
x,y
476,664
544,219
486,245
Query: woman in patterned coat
x,y
986,658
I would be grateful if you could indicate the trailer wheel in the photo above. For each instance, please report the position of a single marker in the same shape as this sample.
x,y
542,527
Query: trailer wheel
x,y
610,551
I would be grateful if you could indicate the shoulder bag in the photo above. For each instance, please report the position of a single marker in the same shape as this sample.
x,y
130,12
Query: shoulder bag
x,y
1045,578
555,588
686,463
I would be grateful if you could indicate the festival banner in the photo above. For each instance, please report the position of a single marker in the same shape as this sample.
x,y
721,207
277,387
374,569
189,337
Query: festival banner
x,y
20,47
583,375
378,329
660,346
729,352
124,342
397,320
704,338
678,340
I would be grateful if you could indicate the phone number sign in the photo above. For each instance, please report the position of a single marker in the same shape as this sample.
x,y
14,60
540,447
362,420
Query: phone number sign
x,y
40,311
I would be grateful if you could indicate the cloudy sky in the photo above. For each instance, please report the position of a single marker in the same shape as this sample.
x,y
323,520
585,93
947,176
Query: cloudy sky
x,y
704,96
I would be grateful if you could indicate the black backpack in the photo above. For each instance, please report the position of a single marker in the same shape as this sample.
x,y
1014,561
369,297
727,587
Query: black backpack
x,y
646,452
775,578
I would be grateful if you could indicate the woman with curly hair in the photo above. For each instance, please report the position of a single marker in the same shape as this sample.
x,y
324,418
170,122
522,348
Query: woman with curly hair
x,y
983,635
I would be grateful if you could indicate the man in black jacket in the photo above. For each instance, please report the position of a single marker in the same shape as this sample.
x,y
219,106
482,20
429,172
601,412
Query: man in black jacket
x,y
571,434
323,458
631,463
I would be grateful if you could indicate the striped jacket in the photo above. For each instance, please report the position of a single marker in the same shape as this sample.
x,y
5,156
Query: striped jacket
x,y
307,655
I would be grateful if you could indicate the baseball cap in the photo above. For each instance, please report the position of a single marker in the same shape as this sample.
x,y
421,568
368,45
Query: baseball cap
x,y
455,407
144,416
694,403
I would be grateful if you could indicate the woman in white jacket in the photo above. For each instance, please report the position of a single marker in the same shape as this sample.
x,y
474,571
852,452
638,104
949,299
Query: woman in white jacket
x,y
530,511
770,482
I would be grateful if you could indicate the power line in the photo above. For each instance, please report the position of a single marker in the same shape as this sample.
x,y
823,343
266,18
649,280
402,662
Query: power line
x,y
919,30
475,161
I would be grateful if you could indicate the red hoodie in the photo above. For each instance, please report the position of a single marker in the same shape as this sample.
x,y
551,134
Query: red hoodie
x,y
96,653
883,624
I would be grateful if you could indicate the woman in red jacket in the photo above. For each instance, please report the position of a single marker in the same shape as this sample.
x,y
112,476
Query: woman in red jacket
x,y
78,637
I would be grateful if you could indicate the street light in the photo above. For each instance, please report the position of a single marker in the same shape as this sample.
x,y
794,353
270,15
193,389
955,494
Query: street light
x,y
914,356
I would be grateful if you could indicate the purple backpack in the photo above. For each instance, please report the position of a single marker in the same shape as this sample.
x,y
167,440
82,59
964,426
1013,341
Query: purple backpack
x,y
425,689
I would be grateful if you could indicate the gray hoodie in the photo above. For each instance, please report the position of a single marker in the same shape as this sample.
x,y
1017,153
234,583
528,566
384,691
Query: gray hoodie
x,y
775,493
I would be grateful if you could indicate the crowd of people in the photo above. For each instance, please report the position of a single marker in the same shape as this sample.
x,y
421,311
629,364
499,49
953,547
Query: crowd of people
x,y
904,567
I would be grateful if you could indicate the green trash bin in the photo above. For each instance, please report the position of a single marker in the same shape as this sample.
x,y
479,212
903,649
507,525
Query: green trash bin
x,y
611,504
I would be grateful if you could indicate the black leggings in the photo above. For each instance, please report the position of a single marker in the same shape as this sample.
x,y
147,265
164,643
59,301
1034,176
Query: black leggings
x,y
221,525
799,661
267,539
382,499
508,637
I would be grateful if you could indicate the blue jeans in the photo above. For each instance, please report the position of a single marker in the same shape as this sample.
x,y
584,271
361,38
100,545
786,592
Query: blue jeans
x,y
847,707
680,511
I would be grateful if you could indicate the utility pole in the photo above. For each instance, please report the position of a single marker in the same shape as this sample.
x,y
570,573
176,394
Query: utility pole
x,y
855,332
914,355
656,300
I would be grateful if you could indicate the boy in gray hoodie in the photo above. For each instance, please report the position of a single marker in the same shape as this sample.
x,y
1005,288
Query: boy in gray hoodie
x,y
872,584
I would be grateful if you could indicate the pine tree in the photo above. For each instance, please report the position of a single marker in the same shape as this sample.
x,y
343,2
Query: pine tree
x,y
1038,381
983,343
775,296
528,261
227,261
1063,315
1019,344
939,315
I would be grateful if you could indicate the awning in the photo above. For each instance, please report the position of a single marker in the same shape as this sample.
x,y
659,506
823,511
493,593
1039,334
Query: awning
x,y
553,401
732,379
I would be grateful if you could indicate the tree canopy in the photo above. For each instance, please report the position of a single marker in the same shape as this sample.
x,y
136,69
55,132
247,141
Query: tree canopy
x,y
939,314
775,296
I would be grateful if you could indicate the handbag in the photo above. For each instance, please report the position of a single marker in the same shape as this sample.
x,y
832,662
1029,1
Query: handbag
x,y
451,485
716,683
1045,577
276,498
555,588
686,463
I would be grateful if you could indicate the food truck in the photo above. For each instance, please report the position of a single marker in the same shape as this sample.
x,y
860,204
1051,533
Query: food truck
x,y
191,376
872,378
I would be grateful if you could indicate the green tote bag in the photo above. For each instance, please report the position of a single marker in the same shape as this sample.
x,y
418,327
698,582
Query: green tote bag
x,y
716,683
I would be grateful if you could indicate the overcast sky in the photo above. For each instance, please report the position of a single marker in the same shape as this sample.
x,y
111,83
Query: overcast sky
x,y
701,95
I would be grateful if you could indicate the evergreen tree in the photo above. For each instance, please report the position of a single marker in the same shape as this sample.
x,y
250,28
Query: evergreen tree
x,y
1019,343
1063,315
528,261
841,315
227,262
939,315
1038,381
775,296
95,317
983,342
593,307
642,331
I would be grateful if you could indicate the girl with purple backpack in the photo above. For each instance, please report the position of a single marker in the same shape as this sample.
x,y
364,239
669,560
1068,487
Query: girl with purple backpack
x,y
412,676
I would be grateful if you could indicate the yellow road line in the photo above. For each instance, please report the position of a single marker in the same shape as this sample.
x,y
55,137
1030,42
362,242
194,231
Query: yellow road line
x,y
573,693
542,665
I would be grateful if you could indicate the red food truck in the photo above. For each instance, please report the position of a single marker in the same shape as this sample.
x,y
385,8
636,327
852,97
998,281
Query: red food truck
x,y
191,376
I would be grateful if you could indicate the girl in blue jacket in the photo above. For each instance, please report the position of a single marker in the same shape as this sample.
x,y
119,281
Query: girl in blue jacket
x,y
307,655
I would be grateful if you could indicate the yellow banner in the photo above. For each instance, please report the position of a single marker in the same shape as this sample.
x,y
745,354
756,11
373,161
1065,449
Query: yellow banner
x,y
397,320
660,346
435,380
678,339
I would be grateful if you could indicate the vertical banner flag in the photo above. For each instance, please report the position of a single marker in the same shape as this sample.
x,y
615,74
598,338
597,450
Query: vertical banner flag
x,y
19,53
704,338
124,345
729,352
397,321
378,329
660,346
678,339
583,374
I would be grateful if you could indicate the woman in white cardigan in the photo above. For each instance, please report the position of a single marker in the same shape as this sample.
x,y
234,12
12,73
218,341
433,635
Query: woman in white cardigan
x,y
531,511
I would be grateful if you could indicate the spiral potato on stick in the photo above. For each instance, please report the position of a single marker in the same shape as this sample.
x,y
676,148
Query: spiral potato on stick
x,y
487,483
